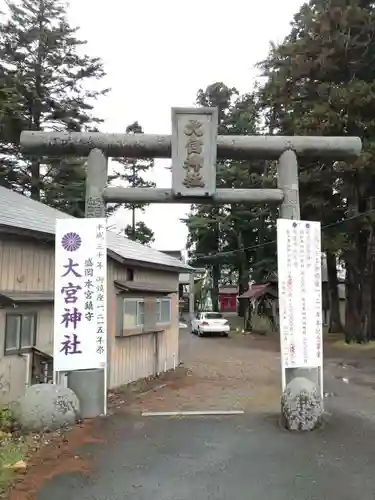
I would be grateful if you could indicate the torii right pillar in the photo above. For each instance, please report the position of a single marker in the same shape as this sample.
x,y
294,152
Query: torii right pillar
x,y
302,399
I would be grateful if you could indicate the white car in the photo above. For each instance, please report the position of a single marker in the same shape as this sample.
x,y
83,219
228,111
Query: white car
x,y
208,323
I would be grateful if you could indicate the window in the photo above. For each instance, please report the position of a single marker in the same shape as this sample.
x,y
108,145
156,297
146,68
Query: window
x,y
20,332
134,313
163,311
213,315
140,313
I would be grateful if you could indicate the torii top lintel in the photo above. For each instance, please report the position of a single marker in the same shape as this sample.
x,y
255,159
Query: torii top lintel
x,y
160,146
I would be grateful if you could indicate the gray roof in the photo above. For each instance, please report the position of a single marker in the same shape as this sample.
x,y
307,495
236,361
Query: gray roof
x,y
177,254
21,212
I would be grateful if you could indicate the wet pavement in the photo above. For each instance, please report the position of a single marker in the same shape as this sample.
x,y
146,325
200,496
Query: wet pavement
x,y
227,458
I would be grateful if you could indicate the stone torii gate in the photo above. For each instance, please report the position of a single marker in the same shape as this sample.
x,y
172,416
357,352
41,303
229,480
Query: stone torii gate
x,y
194,147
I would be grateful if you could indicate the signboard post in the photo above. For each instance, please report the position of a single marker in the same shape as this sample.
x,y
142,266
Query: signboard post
x,y
80,306
300,296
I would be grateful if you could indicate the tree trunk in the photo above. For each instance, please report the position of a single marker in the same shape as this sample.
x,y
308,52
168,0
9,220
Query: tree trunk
x,y
35,180
372,326
133,207
366,289
243,275
352,328
36,106
133,223
241,305
243,286
216,267
335,325
355,258
215,286
351,319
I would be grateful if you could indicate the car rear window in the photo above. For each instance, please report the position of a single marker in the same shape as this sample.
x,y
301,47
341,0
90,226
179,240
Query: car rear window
x,y
213,315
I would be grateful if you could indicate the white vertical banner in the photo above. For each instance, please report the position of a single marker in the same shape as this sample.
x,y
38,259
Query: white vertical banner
x,y
80,307
300,293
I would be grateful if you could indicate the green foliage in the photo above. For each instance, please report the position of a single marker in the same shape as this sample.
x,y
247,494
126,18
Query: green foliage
x,y
320,81
7,419
64,186
140,232
227,238
12,451
44,81
131,173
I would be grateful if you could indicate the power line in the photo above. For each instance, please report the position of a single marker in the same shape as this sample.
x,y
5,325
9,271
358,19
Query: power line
x,y
261,245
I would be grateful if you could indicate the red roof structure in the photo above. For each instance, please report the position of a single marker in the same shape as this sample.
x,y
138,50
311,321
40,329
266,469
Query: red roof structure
x,y
257,291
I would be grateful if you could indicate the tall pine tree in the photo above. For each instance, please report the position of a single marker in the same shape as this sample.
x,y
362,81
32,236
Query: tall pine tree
x,y
132,173
320,81
223,238
204,222
47,89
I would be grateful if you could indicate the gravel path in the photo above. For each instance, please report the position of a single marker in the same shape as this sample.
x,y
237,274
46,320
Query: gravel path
x,y
226,374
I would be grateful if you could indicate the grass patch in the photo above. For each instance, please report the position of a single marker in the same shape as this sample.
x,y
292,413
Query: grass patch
x,y
260,325
236,323
7,419
341,344
11,452
12,449
333,337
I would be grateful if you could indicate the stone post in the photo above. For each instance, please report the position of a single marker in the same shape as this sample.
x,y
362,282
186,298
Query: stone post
x,y
301,402
96,181
90,386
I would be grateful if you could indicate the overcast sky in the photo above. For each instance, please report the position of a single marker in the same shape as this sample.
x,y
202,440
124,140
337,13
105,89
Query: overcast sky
x,y
157,54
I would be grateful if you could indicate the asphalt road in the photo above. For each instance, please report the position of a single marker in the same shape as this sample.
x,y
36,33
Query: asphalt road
x,y
224,459
245,457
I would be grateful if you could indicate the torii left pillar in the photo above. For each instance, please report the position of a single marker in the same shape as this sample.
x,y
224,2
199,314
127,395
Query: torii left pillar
x,y
90,386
